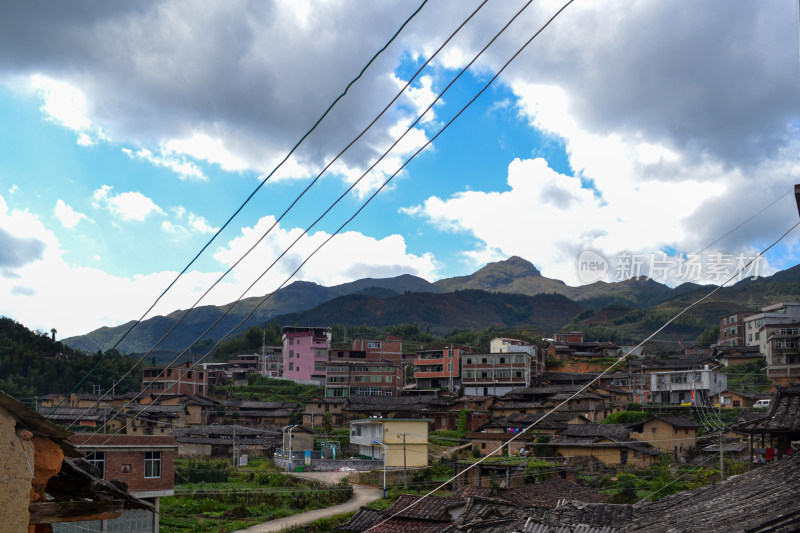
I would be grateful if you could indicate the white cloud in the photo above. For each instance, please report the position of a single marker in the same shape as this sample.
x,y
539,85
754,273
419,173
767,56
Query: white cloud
x,y
359,256
13,189
186,223
204,147
127,206
89,290
186,170
66,104
68,217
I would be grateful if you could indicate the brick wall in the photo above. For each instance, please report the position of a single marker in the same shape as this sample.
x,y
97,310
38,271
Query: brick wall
x,y
135,478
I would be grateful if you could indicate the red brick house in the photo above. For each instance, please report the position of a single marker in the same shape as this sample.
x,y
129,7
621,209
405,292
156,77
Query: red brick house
x,y
146,464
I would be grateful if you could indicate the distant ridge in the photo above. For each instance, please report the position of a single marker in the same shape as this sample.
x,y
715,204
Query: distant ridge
x,y
366,301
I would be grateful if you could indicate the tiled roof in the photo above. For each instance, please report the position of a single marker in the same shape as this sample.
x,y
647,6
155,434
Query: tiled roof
x,y
395,403
549,493
763,499
611,431
782,417
432,508
97,439
677,421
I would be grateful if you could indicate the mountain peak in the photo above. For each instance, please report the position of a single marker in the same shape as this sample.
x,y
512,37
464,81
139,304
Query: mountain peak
x,y
518,265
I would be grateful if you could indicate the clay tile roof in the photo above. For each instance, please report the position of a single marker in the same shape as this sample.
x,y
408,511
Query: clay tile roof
x,y
611,431
782,417
549,493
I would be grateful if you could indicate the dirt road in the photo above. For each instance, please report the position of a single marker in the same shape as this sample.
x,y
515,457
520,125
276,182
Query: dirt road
x,y
362,495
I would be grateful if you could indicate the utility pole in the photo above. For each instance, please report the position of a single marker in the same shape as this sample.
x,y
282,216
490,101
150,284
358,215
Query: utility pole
x,y
405,471
721,432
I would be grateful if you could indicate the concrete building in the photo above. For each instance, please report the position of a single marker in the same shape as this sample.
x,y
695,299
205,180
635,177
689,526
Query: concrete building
x,y
305,352
783,353
179,379
363,378
406,440
686,386
439,368
494,374
771,315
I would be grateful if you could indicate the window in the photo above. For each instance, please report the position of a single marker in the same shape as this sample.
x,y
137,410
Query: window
x,y
98,460
291,366
758,335
126,469
373,344
152,464
291,341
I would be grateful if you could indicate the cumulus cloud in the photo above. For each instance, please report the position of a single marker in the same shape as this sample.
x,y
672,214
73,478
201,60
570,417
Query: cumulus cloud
x,y
186,223
68,217
186,170
364,256
127,206
18,251
236,86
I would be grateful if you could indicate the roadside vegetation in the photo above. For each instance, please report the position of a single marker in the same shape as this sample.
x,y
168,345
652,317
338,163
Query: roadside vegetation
x,y
212,496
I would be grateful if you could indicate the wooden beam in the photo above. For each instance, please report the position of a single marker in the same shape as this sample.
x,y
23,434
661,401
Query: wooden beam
x,y
50,512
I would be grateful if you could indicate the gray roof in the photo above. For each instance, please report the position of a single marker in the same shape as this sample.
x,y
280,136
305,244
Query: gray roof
x,y
782,417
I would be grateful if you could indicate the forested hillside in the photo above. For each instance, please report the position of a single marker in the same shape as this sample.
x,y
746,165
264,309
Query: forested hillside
x,y
31,364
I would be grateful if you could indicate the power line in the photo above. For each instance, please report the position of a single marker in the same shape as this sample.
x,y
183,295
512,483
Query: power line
x,y
294,202
253,193
375,193
667,323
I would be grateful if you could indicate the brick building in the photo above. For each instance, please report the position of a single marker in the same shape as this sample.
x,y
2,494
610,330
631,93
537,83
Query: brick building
x,y
363,378
389,349
440,368
731,329
145,464
179,379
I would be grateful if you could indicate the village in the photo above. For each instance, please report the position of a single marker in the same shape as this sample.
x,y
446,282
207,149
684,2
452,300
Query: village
x,y
493,421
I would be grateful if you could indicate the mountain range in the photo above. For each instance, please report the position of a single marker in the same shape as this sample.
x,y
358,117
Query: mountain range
x,y
509,294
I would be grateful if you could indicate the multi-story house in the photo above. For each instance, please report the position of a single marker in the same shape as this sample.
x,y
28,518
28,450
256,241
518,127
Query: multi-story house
x,y
145,464
783,353
404,441
179,379
731,329
363,378
507,345
494,374
686,386
771,315
568,337
439,368
388,349
305,352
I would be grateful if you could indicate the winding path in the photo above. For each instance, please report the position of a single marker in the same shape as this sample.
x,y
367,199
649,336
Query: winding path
x,y
362,494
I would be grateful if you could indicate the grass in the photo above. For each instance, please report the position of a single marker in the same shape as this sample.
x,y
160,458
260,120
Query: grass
x,y
249,496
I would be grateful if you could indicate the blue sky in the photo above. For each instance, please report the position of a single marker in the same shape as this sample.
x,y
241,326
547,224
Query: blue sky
x,y
130,133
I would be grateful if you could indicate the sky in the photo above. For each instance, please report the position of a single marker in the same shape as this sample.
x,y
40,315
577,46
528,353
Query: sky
x,y
623,140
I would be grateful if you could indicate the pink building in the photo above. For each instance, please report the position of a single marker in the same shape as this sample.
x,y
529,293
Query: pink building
x,y
305,352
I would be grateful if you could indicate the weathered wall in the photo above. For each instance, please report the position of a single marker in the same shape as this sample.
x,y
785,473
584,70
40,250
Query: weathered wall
x,y
328,465
15,488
